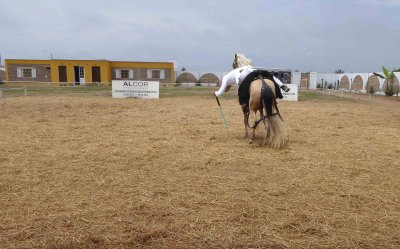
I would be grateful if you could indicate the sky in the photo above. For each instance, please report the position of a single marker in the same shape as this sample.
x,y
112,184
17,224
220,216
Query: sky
x,y
304,35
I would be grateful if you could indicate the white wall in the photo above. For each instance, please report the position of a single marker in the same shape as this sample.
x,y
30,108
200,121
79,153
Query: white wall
x,y
296,78
365,77
328,78
331,78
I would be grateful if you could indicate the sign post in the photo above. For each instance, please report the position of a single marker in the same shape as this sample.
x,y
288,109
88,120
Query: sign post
x,y
135,89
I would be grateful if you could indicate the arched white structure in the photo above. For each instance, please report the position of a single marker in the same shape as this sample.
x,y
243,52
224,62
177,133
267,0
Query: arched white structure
x,y
335,79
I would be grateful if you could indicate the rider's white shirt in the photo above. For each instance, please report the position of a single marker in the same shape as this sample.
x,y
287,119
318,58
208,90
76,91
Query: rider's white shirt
x,y
236,76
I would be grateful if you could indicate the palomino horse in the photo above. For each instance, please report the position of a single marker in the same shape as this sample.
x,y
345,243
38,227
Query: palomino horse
x,y
263,100
276,131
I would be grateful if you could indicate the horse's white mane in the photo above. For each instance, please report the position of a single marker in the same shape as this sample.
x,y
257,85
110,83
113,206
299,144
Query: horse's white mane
x,y
242,60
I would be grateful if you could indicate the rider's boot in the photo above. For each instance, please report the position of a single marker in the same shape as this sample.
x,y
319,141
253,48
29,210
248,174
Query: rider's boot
x,y
285,88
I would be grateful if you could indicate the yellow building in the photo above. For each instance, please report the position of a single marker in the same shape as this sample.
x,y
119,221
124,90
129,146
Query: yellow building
x,y
86,72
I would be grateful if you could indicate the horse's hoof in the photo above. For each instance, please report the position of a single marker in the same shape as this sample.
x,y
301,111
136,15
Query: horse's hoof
x,y
251,142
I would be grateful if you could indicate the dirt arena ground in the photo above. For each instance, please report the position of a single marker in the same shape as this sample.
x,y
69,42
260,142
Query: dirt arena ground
x,y
95,172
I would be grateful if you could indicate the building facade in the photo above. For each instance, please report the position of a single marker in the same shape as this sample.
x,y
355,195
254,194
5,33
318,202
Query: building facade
x,y
86,72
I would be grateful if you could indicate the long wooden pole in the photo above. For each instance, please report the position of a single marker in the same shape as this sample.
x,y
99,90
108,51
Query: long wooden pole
x,y
221,112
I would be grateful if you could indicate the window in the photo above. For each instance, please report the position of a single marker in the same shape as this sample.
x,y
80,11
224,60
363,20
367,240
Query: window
x,y
26,72
82,72
124,74
155,74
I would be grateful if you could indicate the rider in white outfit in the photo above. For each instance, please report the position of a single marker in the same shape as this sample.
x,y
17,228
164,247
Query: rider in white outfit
x,y
236,76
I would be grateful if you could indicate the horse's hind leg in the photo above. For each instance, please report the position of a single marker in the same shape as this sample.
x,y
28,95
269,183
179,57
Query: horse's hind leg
x,y
253,134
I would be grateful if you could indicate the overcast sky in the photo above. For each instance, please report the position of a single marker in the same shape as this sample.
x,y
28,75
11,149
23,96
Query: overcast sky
x,y
203,35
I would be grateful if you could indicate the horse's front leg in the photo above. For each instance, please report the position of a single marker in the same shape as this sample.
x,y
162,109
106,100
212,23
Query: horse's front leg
x,y
245,110
246,121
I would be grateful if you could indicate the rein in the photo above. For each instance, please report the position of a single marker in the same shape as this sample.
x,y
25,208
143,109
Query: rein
x,y
263,118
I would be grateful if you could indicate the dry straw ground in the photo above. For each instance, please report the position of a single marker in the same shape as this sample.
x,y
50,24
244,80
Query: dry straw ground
x,y
95,172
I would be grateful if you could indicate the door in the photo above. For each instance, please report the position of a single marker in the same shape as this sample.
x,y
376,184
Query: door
x,y
96,75
76,74
79,75
62,74
82,75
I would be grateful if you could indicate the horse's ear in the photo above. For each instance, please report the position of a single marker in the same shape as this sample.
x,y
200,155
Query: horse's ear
x,y
235,56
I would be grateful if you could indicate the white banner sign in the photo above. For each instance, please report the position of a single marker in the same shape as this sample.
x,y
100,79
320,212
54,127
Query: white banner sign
x,y
292,95
135,89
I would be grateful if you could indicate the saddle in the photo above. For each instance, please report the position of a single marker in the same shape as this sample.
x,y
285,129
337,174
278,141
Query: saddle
x,y
244,89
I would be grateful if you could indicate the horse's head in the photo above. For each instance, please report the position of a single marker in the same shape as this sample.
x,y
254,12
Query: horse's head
x,y
240,61
235,64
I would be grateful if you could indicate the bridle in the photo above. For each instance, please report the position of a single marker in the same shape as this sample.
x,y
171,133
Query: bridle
x,y
234,64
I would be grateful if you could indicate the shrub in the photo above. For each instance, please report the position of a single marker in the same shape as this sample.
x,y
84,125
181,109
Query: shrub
x,y
319,86
390,91
330,86
371,90
389,77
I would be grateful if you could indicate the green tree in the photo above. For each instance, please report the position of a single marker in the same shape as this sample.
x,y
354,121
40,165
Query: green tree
x,y
339,71
389,77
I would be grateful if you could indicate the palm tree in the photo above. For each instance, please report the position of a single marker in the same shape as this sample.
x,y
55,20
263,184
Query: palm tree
x,y
389,77
339,71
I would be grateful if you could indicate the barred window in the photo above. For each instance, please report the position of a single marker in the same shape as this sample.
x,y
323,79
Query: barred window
x,y
27,73
124,74
82,72
155,74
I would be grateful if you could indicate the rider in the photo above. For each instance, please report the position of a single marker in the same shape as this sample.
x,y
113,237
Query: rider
x,y
242,77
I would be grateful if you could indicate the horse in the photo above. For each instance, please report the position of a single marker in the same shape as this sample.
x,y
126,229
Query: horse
x,y
263,100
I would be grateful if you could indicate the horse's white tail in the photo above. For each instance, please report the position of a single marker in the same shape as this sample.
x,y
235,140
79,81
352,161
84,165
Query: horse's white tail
x,y
277,135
